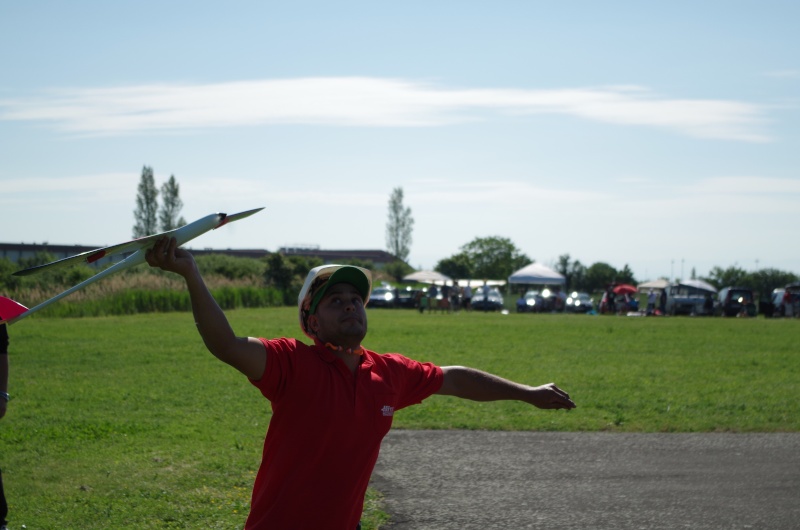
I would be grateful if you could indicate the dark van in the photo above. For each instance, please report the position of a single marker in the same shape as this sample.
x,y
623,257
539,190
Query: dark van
x,y
684,299
733,301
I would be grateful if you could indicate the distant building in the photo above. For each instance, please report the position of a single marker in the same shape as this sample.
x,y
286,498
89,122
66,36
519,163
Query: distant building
x,y
235,252
378,258
20,251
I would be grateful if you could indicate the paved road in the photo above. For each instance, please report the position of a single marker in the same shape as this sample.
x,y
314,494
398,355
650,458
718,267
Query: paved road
x,y
485,480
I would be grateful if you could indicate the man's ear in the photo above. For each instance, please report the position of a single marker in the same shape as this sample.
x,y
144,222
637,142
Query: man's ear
x,y
313,323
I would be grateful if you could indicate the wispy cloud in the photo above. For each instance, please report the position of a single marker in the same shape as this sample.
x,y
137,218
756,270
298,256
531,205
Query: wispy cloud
x,y
784,74
82,184
747,186
367,102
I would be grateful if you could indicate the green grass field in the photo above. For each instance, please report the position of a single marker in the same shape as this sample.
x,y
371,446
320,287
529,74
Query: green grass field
x,y
127,422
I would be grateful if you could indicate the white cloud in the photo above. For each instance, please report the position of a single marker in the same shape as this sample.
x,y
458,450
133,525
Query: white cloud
x,y
367,102
784,74
75,184
748,186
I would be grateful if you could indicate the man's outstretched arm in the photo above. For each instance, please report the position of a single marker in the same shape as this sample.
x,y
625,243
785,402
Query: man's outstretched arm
x,y
469,383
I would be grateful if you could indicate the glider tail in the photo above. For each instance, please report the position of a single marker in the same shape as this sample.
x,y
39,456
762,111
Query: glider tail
x,y
10,311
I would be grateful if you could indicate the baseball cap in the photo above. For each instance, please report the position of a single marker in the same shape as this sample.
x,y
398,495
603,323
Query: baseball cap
x,y
318,281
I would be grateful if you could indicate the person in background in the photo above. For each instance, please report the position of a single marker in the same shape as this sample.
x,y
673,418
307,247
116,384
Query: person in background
x,y
433,293
332,400
485,290
651,302
455,293
788,310
521,303
468,296
3,407
708,305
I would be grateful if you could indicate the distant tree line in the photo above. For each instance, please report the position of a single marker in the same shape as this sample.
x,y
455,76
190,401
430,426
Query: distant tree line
x,y
762,281
497,258
277,279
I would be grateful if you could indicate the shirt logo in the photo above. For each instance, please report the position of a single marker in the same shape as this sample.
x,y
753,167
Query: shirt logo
x,y
387,410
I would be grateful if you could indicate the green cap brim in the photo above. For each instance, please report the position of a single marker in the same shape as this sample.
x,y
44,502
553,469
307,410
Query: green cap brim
x,y
351,275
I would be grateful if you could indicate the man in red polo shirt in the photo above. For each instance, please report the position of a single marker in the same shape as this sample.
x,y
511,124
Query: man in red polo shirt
x,y
332,401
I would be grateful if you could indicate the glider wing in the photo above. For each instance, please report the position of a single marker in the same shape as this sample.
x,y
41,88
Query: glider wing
x,y
183,235
11,311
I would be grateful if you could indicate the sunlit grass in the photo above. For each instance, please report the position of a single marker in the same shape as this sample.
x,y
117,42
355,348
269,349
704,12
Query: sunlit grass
x,y
128,422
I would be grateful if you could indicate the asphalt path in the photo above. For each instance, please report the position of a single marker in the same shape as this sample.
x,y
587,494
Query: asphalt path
x,y
478,479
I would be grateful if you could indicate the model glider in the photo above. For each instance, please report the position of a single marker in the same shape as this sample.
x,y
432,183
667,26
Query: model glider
x,y
11,311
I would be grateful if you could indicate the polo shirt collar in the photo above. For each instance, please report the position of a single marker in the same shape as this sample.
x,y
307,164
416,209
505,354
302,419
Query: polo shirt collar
x,y
327,354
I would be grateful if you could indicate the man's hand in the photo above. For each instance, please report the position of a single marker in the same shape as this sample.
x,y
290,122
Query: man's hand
x,y
166,255
549,396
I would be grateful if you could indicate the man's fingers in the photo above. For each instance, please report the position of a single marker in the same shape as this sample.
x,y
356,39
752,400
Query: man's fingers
x,y
160,252
558,399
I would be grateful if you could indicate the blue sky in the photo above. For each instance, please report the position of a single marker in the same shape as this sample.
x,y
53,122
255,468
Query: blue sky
x,y
659,135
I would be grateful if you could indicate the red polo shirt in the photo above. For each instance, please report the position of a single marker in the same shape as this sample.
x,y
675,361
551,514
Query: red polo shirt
x,y
326,430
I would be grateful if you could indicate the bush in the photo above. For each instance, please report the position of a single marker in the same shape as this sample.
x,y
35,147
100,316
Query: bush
x,y
230,267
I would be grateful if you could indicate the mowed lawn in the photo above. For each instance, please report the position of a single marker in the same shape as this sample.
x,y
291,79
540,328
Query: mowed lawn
x,y
129,422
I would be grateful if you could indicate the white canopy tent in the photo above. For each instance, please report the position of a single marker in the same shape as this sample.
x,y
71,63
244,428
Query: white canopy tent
x,y
537,274
699,284
655,284
479,283
427,277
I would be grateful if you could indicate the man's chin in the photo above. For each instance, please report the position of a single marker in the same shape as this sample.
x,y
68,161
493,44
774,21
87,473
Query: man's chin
x,y
355,332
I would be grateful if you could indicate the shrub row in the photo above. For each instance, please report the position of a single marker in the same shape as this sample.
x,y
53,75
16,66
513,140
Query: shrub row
x,y
161,301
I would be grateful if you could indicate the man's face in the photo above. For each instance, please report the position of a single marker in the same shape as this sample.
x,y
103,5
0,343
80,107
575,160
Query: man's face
x,y
340,317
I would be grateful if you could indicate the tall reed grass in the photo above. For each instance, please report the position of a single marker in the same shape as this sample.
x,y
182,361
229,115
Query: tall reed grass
x,y
144,291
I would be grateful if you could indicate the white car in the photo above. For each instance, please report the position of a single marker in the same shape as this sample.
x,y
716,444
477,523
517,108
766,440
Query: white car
x,y
579,303
381,297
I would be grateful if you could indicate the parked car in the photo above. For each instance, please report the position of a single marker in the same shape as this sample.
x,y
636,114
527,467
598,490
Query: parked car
x,y
579,303
776,307
407,298
382,297
733,301
553,300
531,302
494,302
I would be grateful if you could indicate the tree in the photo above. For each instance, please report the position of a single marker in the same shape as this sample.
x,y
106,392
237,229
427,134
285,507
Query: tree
x,y
761,281
279,272
171,205
456,266
562,267
493,258
573,272
287,273
732,276
397,269
399,226
146,205
599,275
625,276
764,281
576,280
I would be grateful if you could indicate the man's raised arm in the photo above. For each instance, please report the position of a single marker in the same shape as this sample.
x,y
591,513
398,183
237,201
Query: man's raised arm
x,y
246,354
